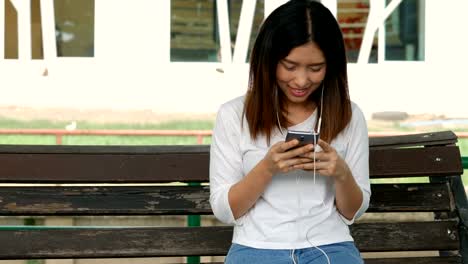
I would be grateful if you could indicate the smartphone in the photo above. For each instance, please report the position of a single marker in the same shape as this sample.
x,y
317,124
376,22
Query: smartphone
x,y
304,137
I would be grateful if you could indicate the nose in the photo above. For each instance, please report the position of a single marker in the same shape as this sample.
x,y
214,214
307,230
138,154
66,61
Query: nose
x,y
301,79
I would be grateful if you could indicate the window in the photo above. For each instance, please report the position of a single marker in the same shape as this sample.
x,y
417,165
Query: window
x,y
352,17
74,28
404,30
194,28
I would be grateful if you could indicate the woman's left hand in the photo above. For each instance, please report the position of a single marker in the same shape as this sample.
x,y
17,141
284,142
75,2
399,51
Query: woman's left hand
x,y
327,162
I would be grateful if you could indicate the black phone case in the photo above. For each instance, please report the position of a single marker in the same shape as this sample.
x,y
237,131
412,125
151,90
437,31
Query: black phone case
x,y
304,137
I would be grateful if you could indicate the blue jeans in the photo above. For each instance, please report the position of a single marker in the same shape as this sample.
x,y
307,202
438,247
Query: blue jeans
x,y
339,253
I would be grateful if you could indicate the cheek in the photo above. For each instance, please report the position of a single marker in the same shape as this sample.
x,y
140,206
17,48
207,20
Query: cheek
x,y
283,75
322,74
317,78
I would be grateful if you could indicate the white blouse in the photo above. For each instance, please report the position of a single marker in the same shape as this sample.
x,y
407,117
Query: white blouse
x,y
293,212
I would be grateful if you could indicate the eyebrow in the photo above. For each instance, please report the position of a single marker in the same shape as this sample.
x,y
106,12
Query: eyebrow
x,y
295,63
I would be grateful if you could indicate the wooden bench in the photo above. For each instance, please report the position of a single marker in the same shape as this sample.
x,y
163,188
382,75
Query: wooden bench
x,y
121,181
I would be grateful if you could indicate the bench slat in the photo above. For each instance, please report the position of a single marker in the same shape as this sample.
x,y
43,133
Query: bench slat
x,y
109,200
421,139
104,149
170,166
410,162
104,168
410,197
173,241
390,157
168,200
406,236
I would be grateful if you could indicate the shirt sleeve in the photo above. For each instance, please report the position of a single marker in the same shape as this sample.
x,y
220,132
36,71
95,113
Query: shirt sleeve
x,y
357,158
225,161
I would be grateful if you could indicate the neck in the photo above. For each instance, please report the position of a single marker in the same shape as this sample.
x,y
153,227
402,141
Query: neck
x,y
297,113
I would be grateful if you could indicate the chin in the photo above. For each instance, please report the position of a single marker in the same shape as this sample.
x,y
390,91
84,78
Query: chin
x,y
298,99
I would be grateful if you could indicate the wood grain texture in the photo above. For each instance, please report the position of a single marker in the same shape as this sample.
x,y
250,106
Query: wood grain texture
x,y
146,165
186,200
408,236
420,139
410,162
185,163
204,241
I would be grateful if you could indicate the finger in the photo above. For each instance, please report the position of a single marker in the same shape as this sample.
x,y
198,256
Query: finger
x,y
311,166
325,146
308,152
300,161
280,147
290,164
298,152
318,156
322,167
285,146
323,156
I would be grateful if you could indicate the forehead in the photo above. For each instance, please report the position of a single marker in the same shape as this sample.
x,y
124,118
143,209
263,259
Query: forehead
x,y
307,53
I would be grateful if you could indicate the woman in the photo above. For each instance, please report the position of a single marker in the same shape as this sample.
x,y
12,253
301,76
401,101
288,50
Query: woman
x,y
292,204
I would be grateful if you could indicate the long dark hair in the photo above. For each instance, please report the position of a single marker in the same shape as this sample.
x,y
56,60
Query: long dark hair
x,y
293,24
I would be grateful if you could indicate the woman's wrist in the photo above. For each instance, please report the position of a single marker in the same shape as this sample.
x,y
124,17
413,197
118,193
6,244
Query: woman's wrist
x,y
265,170
344,176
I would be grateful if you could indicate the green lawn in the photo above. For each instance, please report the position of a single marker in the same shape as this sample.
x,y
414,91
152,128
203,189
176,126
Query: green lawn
x,y
175,124
105,140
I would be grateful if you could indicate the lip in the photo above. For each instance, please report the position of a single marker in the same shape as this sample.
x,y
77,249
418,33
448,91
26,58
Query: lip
x,y
298,92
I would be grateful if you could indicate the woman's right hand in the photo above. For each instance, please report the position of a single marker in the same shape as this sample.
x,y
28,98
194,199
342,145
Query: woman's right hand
x,y
282,156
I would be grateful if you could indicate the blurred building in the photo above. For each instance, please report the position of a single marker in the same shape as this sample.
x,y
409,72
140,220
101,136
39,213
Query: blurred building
x,y
191,55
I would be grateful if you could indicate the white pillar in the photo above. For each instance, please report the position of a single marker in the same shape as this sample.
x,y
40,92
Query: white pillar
x,y
376,19
380,8
49,43
244,30
224,31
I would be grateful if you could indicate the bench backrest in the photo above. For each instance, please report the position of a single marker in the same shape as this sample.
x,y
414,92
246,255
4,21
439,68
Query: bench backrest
x,y
148,180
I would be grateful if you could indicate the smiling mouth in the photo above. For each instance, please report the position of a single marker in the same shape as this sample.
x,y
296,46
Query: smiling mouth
x,y
298,92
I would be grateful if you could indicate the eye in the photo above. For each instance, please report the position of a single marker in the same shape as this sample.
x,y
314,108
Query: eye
x,y
287,66
316,68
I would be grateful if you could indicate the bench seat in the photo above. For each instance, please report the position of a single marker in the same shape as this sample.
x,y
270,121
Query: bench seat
x,y
75,181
